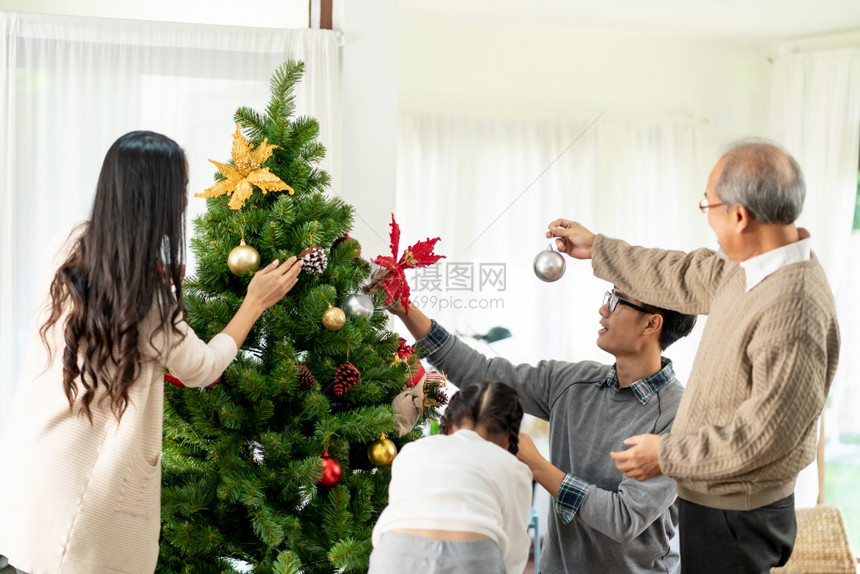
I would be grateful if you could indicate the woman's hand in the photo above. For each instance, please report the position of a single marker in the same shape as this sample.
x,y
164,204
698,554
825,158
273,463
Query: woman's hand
x,y
272,282
267,287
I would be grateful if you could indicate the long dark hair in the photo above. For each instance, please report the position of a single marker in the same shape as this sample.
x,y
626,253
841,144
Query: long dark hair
x,y
127,263
491,405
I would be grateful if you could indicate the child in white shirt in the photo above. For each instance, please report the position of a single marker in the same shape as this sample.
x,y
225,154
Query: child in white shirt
x,y
459,501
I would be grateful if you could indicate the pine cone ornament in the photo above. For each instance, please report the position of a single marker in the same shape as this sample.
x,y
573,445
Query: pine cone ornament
x,y
306,378
314,260
345,377
434,390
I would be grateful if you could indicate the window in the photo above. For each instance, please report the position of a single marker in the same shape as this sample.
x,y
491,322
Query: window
x,y
842,454
857,205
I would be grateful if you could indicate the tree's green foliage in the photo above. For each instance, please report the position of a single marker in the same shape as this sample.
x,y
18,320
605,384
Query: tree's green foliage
x,y
242,460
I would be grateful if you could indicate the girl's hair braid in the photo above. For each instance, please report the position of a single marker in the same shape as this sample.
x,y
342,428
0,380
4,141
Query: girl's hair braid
x,y
492,405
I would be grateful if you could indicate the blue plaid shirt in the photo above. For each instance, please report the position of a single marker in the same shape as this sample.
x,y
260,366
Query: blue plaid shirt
x,y
573,489
432,341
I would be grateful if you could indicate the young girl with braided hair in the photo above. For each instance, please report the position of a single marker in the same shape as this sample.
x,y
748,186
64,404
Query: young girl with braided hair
x,y
459,501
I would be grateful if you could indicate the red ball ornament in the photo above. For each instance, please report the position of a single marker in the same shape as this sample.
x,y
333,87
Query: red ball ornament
x,y
331,471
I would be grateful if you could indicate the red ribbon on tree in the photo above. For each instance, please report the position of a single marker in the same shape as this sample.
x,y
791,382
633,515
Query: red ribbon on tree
x,y
404,350
392,277
168,378
406,354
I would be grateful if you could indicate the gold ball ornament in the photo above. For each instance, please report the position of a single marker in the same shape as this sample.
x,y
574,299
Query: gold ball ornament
x,y
382,451
333,318
243,259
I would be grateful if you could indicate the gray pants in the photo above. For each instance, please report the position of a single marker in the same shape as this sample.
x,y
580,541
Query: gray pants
x,y
397,553
6,568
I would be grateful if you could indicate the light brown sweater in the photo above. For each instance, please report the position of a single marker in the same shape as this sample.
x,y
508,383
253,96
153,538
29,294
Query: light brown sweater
x,y
746,425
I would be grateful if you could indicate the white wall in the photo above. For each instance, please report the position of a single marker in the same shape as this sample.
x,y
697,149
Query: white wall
x,y
254,13
466,66
370,91
457,65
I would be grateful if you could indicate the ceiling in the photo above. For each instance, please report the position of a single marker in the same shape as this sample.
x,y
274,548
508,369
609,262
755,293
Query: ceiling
x,y
767,20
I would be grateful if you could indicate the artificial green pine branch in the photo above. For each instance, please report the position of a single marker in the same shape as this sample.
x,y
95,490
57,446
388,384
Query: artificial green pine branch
x,y
242,461
350,555
251,119
287,563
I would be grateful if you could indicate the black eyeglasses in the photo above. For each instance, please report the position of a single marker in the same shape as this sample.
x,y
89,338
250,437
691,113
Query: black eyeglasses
x,y
613,300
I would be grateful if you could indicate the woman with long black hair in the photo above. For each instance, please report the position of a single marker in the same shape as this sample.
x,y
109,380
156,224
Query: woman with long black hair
x,y
81,453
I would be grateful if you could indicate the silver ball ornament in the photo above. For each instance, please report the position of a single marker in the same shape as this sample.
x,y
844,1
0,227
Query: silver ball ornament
x,y
243,259
358,305
549,265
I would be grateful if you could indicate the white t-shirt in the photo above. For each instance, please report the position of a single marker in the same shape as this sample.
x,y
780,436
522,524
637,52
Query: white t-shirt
x,y
461,482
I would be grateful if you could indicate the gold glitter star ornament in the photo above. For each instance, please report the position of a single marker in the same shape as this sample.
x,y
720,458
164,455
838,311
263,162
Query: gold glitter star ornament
x,y
246,172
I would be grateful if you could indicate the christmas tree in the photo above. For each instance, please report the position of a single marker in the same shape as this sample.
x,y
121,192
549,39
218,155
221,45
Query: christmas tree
x,y
250,464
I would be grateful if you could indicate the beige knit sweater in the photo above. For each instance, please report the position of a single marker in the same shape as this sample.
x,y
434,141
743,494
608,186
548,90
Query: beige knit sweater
x,y
77,498
746,425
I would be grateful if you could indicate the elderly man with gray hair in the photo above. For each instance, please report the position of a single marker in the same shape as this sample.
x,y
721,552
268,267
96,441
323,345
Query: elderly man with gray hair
x,y
746,425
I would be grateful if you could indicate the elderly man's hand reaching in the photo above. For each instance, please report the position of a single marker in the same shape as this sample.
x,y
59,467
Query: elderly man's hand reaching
x,y
571,238
641,460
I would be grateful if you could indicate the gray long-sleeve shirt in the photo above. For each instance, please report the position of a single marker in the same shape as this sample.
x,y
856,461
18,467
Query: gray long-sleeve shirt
x,y
619,525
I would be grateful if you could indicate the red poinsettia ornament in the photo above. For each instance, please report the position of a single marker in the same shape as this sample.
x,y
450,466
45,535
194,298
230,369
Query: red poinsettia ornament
x,y
392,275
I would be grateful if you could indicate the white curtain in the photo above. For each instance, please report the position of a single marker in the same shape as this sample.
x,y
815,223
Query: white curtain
x,y
489,187
816,114
70,86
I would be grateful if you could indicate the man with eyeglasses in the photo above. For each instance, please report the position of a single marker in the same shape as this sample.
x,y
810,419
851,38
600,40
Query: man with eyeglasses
x,y
747,425
603,522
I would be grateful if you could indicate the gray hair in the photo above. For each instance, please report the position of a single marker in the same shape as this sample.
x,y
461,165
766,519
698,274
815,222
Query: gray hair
x,y
765,179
